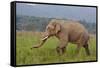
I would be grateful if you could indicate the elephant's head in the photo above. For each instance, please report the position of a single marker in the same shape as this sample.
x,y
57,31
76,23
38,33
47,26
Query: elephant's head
x,y
52,29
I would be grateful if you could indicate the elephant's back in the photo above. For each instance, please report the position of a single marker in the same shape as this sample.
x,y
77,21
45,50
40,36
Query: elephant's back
x,y
76,30
71,25
74,26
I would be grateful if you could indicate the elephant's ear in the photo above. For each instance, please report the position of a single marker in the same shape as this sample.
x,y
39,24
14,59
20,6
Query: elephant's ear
x,y
57,27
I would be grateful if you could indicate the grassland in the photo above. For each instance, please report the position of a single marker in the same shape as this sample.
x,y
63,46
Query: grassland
x,y
47,53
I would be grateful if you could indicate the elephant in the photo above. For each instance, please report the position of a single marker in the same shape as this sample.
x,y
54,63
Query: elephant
x,y
66,31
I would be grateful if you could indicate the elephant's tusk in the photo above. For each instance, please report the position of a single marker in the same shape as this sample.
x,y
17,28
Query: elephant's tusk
x,y
44,38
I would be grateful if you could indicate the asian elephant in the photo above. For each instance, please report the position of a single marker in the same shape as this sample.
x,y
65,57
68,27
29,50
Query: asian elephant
x,y
66,31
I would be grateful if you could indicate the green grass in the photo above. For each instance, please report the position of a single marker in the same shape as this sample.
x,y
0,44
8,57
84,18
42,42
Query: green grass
x,y
47,53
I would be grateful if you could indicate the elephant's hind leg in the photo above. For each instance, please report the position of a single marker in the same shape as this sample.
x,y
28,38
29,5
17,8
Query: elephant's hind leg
x,y
86,49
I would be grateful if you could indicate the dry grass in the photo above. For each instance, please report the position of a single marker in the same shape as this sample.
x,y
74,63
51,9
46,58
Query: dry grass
x,y
47,53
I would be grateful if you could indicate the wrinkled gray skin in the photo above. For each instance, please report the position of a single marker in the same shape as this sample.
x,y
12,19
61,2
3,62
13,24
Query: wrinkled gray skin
x,y
66,31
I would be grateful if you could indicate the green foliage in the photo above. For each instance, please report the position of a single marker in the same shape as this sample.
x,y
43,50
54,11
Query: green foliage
x,y
29,23
47,53
32,23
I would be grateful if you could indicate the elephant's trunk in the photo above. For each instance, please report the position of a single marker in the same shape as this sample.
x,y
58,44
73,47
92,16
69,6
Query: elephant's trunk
x,y
45,37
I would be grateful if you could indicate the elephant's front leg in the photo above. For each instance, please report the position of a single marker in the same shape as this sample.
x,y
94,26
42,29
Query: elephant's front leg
x,y
61,48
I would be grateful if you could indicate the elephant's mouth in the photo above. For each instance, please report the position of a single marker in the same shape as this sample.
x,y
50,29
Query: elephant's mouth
x,y
45,38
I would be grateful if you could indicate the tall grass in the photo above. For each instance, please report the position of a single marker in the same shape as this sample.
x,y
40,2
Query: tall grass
x,y
47,53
